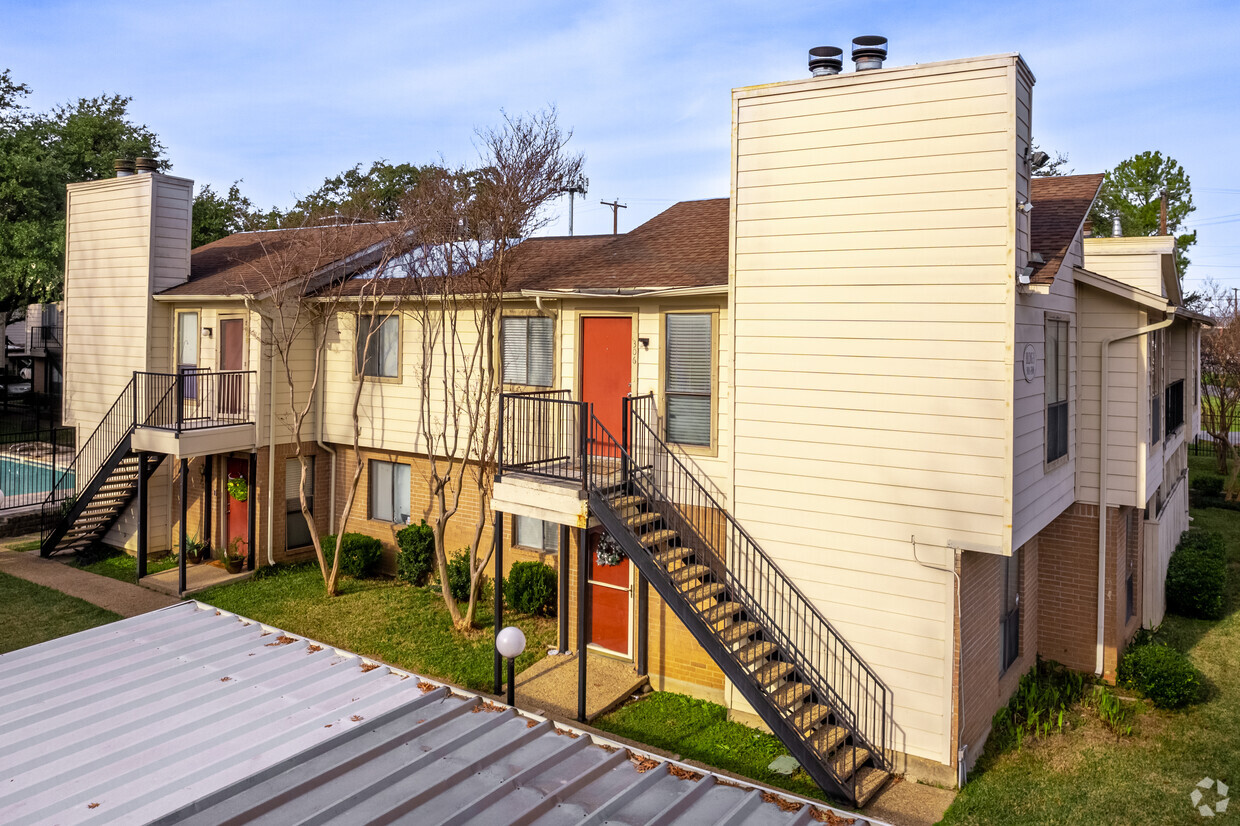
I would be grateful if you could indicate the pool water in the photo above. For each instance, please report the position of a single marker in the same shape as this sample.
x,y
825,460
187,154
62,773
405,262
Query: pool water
x,y
19,477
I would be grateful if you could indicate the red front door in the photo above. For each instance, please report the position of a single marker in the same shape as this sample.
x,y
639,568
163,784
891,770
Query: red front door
x,y
609,601
607,368
237,513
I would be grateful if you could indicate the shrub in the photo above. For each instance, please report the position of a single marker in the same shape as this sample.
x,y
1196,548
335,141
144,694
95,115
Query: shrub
x,y
415,553
1197,576
530,588
1208,485
458,577
1162,674
359,553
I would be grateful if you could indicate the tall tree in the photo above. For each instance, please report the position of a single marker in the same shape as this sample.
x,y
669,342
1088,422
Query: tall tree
x,y
1133,190
1220,380
39,154
377,192
217,215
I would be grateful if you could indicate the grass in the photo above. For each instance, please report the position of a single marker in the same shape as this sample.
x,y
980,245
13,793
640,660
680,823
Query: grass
x,y
399,624
700,730
23,547
122,566
31,614
1085,776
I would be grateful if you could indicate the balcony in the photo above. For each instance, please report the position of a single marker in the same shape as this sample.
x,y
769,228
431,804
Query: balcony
x,y
193,412
42,339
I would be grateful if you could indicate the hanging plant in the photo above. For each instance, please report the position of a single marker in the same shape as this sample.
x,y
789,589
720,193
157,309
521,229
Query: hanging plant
x,y
238,489
607,552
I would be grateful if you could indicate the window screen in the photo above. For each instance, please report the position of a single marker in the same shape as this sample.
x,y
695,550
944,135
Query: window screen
x,y
389,492
527,348
690,350
381,357
1056,389
297,532
535,533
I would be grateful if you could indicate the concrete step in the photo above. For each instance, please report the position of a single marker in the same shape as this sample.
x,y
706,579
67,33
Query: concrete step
x,y
789,695
637,520
810,715
737,632
672,555
697,593
848,759
654,538
688,575
753,654
869,781
771,673
827,739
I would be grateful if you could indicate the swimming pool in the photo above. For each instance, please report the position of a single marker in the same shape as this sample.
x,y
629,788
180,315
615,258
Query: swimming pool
x,y
28,480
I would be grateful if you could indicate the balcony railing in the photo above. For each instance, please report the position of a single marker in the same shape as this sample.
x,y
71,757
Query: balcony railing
x,y
41,338
192,399
1175,406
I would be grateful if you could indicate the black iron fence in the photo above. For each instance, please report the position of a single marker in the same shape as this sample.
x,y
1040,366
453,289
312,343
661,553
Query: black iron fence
x,y
44,337
192,399
30,463
540,434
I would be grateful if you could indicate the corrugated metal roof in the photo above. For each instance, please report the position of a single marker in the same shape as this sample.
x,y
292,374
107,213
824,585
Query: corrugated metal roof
x,y
189,715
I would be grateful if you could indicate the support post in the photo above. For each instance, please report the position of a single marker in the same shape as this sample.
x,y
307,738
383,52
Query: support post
x,y
643,611
184,520
498,586
208,496
142,513
565,644
251,503
583,609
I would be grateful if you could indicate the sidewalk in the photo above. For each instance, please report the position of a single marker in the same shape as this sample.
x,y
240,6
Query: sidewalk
x,y
122,597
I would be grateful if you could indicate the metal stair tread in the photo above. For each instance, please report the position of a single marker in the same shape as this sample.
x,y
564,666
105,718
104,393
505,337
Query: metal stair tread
x,y
674,554
755,652
641,518
810,715
721,611
738,631
689,573
827,738
655,537
771,673
699,592
848,759
869,781
626,501
789,695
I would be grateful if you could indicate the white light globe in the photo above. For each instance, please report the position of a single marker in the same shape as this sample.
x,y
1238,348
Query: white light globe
x,y
510,642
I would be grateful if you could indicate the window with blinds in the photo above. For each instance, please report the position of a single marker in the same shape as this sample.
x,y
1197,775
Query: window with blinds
x,y
689,379
297,532
537,534
389,492
380,358
1055,388
527,349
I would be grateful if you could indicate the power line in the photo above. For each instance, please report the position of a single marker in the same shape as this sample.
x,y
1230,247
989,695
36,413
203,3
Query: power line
x,y
616,206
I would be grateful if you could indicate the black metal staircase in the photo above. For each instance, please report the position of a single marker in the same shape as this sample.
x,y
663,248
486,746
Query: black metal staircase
x,y
102,480
802,678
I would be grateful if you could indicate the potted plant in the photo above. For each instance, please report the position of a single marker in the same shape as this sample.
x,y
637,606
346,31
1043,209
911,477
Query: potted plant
x,y
195,549
234,557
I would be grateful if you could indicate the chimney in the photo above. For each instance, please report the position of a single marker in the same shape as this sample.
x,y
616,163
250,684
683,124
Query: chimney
x,y
869,51
123,167
1117,229
826,60
146,165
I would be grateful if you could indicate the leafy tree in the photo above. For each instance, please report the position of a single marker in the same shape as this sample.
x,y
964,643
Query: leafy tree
x,y
39,154
217,216
1052,167
377,192
1133,190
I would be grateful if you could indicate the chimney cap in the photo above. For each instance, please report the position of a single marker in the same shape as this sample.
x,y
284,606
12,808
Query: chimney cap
x,y
146,165
123,166
869,51
826,60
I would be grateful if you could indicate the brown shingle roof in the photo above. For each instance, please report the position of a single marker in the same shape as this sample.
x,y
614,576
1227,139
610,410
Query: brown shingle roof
x,y
252,262
1060,206
683,246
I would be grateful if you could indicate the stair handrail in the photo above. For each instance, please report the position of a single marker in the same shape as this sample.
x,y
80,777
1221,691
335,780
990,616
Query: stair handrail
x,y
874,734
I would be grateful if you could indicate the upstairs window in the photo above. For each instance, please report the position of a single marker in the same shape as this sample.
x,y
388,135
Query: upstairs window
x,y
1154,379
380,358
1056,389
689,387
527,350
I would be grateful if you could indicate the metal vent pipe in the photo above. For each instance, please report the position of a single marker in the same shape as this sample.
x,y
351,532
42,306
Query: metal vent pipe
x,y
869,51
826,60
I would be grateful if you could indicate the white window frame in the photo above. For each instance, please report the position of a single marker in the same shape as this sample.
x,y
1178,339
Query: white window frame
x,y
389,326
512,351
549,534
400,511
710,445
1054,407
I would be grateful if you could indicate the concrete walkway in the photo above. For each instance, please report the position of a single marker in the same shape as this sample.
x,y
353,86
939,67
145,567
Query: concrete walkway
x,y
122,597
550,685
197,578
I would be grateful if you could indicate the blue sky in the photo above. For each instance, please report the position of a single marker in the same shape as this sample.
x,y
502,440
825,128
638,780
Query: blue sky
x,y
282,94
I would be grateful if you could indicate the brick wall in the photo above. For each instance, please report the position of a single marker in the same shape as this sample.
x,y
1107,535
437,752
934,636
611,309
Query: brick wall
x,y
1068,586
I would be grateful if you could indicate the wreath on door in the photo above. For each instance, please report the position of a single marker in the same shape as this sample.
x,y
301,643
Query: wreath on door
x,y
607,552
238,489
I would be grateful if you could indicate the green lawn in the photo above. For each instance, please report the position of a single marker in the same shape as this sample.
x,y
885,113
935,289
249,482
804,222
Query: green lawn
x,y
30,545
399,624
1085,776
122,566
31,614
700,730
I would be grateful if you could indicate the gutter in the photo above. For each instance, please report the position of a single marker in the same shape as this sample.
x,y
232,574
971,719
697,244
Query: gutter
x,y
1104,378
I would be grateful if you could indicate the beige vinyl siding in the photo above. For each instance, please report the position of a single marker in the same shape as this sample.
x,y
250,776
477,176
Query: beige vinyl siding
x,y
1040,493
1101,315
873,249
170,232
1137,261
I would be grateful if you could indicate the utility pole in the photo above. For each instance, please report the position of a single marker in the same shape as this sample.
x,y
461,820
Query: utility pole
x,y
577,187
616,206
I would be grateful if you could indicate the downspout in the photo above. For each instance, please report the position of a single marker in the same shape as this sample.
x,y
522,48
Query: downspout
x,y
271,455
1104,378
318,436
